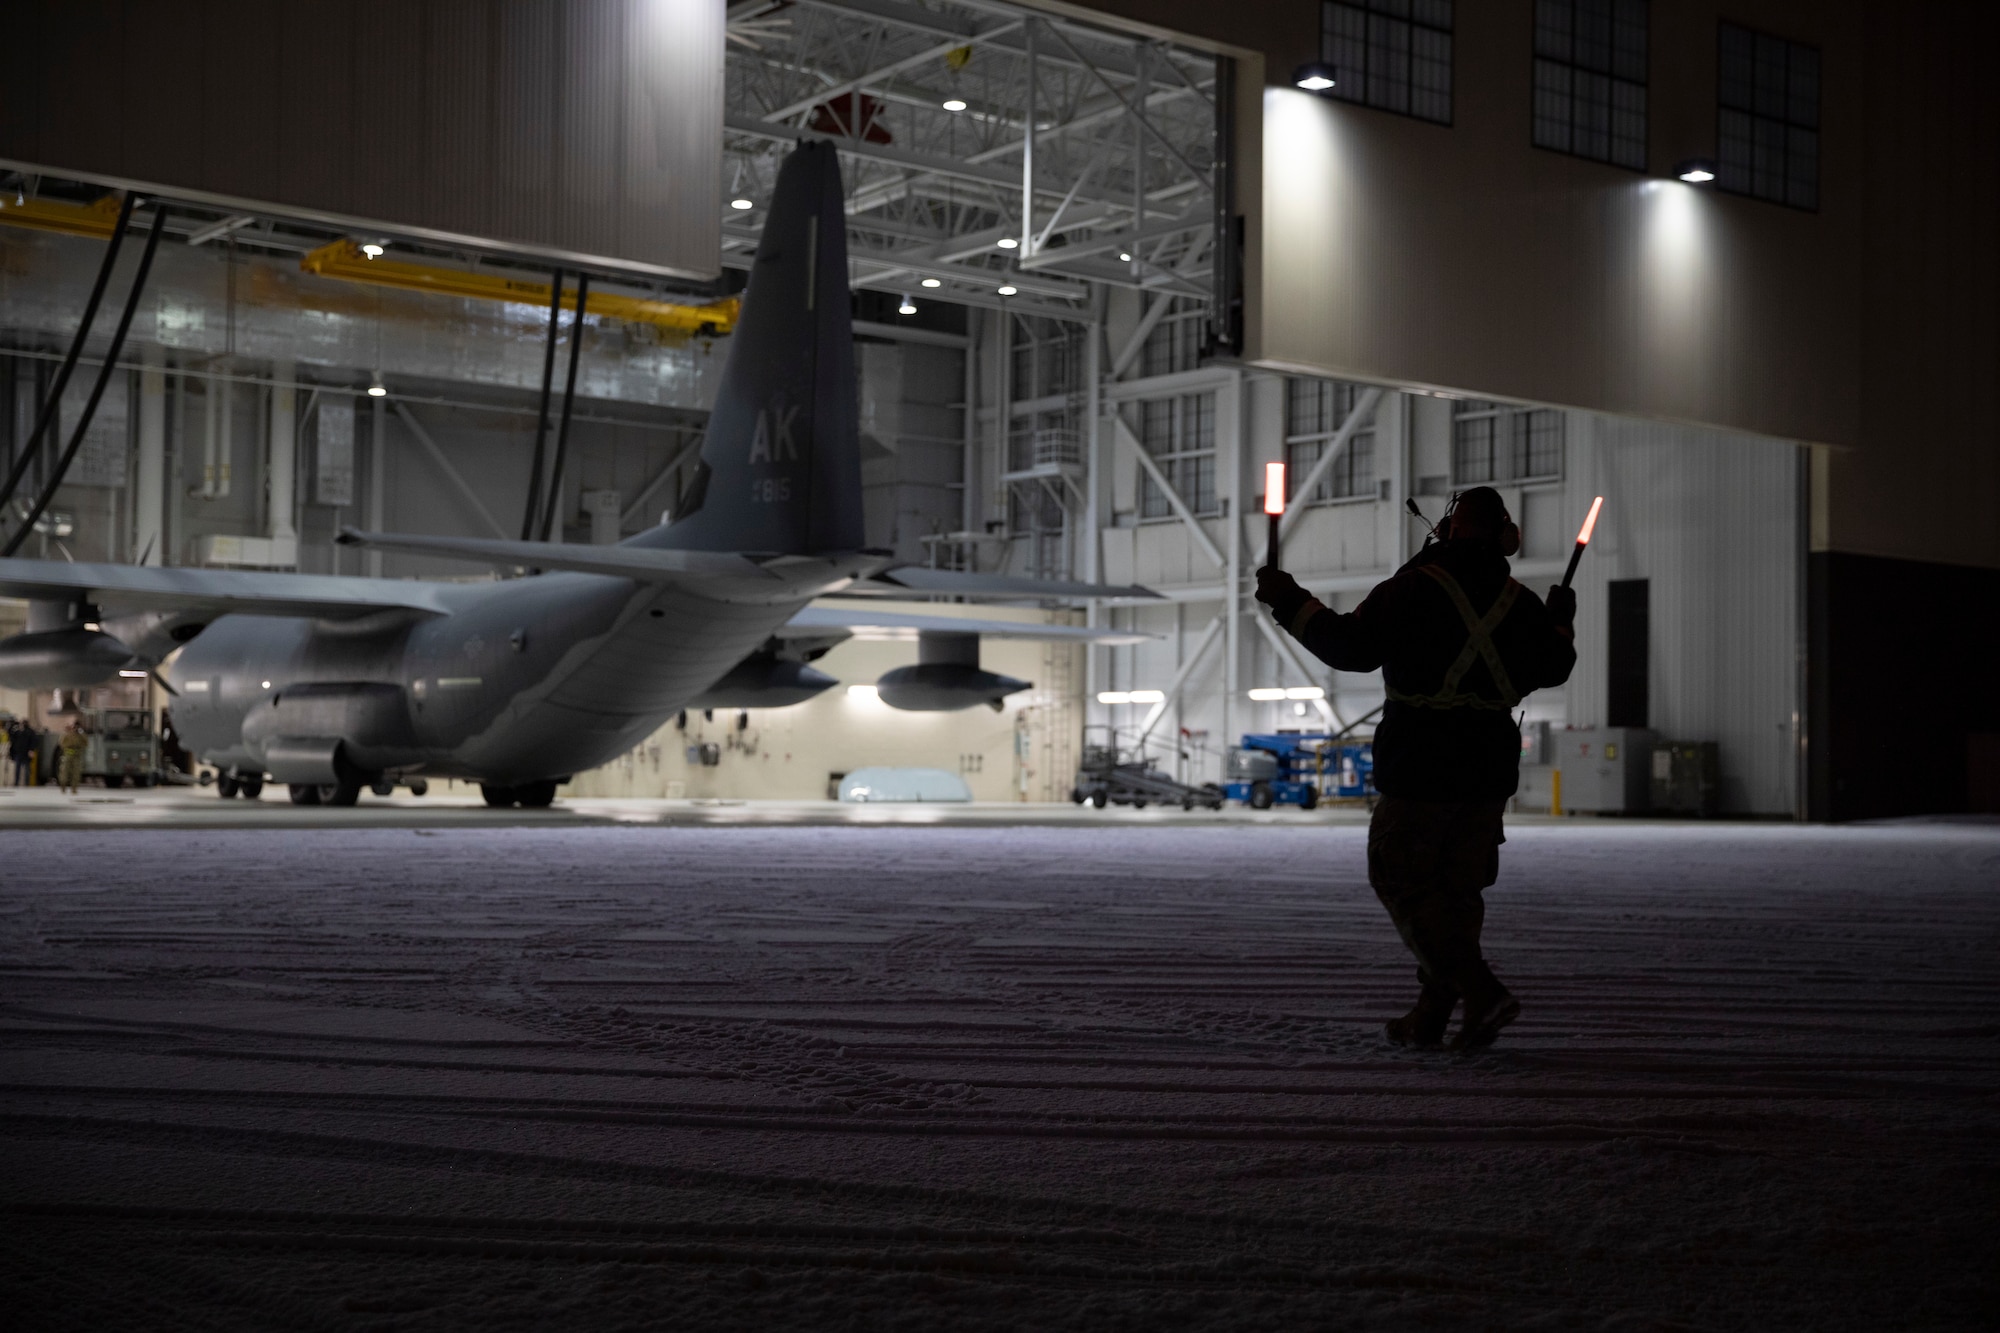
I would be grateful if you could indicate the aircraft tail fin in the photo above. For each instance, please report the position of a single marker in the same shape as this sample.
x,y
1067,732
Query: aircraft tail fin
x,y
780,469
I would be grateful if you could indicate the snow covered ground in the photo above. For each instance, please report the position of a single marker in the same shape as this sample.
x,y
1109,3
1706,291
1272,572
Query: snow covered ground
x,y
1093,1076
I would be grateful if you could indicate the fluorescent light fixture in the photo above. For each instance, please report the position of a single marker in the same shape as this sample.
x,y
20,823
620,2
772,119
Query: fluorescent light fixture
x,y
373,249
908,307
1114,696
865,693
267,684
1316,77
1008,289
1149,696
1008,243
1305,692
132,675
741,205
376,390
1268,694
1124,257
954,104
932,282
1132,696
1696,171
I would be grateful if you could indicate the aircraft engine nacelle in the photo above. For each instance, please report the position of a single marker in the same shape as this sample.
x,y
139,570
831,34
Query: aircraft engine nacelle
x,y
947,677
764,680
61,659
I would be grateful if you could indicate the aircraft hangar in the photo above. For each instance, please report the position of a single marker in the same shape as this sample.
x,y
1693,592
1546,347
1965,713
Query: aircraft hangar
x,y
796,474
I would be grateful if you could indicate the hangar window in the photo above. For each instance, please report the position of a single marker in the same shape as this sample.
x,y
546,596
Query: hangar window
x,y
1314,413
1175,342
1590,79
1499,444
1048,356
1179,434
1394,55
1767,117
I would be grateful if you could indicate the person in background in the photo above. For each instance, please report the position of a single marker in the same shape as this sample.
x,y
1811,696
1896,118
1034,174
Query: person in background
x,y
69,767
21,741
1458,642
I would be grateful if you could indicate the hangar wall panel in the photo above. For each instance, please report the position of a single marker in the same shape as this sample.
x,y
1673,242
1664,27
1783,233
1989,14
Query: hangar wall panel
x,y
588,130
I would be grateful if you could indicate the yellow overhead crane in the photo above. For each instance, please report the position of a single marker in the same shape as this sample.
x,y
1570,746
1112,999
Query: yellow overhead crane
x,y
344,259
53,215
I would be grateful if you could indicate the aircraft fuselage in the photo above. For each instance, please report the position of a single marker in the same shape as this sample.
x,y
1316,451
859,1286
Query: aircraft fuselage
x,y
524,680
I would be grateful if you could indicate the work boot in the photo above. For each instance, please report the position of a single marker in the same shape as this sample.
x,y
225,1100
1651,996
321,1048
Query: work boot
x,y
1424,1026
1484,1017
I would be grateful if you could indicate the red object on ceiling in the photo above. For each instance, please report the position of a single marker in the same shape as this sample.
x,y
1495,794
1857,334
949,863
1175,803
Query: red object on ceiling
x,y
853,115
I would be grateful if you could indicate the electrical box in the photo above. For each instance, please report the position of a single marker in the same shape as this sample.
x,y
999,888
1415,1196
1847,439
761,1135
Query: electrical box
x,y
1534,743
1605,770
1685,777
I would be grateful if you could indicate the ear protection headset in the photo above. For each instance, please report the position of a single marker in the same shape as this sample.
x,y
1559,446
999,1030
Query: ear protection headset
x,y
1508,537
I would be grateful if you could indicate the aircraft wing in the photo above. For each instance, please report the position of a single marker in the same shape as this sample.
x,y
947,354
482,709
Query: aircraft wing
x,y
821,621
117,589
917,578
647,564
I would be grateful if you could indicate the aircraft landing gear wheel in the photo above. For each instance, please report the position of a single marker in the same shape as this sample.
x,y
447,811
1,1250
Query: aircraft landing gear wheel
x,y
500,798
536,795
1311,801
1099,799
339,793
1138,805
1076,796
1260,796
225,785
382,787
303,793
250,788
418,787
1187,803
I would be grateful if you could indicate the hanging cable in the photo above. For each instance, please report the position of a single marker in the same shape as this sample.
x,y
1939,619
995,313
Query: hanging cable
x,y
104,373
533,511
42,418
569,399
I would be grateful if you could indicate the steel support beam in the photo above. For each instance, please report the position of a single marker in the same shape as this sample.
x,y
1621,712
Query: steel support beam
x,y
1174,499
1179,682
451,474
1364,406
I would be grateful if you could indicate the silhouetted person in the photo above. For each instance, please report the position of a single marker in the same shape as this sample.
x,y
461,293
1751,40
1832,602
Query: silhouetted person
x,y
21,750
1459,643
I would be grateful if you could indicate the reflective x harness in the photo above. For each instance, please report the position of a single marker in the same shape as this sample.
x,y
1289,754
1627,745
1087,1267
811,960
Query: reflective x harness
x,y
1478,644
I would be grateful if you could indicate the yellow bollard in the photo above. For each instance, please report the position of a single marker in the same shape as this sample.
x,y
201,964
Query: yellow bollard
x,y
1556,792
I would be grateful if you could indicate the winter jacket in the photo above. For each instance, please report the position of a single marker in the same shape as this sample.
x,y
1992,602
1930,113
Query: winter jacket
x,y
1447,732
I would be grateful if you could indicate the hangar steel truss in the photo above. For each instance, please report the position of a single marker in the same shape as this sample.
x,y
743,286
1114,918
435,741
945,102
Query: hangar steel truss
x,y
994,156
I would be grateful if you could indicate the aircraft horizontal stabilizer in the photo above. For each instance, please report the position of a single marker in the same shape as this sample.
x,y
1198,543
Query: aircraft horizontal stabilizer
x,y
916,578
647,564
815,621
116,589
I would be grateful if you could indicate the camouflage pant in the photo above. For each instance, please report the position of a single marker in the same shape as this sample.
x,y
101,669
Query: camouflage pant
x,y
69,770
1428,862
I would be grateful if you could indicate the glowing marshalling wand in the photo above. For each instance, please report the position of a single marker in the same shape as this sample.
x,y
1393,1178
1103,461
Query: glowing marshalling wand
x,y
1274,507
1582,539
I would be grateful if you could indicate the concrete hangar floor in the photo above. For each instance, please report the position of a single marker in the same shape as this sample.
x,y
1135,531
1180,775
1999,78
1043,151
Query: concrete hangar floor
x,y
985,1072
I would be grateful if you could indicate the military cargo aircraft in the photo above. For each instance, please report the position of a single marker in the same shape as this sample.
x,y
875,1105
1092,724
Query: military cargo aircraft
x,y
332,684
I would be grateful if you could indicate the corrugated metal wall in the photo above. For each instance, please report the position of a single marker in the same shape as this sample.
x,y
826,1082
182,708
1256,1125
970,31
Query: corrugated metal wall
x,y
1711,520
590,129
